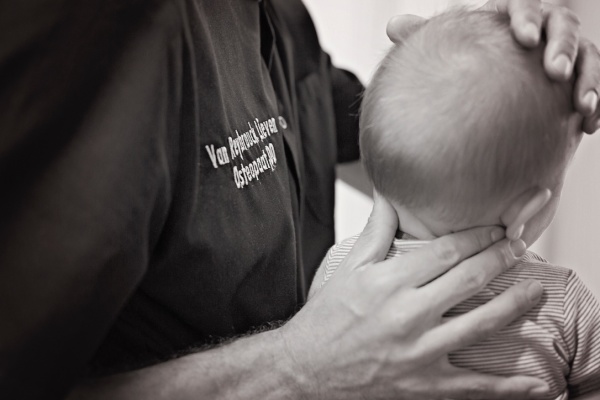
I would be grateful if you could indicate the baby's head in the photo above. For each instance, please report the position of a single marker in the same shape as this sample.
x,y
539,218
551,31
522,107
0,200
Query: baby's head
x,y
460,127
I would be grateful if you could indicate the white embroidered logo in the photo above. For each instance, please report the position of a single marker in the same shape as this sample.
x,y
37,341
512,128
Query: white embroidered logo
x,y
240,144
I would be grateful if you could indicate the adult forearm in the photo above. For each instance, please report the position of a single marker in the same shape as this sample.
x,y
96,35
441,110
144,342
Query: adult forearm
x,y
254,367
372,332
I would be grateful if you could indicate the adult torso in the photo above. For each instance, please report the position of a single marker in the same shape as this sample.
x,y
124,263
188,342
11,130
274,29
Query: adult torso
x,y
251,173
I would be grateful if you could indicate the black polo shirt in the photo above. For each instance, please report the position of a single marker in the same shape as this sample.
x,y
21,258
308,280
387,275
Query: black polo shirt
x,y
184,149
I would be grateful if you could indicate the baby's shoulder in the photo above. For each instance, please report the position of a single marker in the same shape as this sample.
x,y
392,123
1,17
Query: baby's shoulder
x,y
554,279
533,266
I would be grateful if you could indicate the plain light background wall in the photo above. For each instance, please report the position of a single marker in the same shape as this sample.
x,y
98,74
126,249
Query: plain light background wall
x,y
353,32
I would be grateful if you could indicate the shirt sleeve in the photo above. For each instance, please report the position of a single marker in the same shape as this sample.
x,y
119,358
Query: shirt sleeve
x,y
346,88
89,95
582,335
334,258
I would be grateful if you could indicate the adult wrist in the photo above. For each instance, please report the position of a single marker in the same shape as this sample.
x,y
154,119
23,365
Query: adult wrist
x,y
296,371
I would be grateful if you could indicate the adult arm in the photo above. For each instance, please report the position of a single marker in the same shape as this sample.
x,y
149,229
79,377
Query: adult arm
x,y
374,331
565,51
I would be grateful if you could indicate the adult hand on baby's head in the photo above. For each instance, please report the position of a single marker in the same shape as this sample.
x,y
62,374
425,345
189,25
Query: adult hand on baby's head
x,y
565,50
375,329
587,86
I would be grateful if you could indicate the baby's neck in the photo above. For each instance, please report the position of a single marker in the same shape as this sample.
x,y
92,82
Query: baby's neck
x,y
409,223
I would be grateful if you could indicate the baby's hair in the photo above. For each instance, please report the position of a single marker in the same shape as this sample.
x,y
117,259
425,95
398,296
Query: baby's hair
x,y
459,114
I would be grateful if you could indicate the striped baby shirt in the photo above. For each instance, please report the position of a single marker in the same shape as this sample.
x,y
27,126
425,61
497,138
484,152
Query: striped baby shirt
x,y
557,341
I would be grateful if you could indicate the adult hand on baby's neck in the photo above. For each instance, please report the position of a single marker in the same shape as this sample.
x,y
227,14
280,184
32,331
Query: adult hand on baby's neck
x,y
525,218
375,329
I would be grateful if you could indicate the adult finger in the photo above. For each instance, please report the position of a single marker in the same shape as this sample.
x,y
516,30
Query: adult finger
x,y
400,27
587,86
480,323
473,274
525,19
427,263
562,32
464,384
375,240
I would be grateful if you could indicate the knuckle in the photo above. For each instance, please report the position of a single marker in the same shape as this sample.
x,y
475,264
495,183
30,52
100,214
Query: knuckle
x,y
588,62
473,281
586,46
568,16
527,12
592,49
525,5
445,250
406,322
477,390
372,278
569,45
483,239
485,327
534,14
567,41
531,13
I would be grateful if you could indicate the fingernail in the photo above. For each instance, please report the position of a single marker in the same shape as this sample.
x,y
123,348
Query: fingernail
x,y
497,234
518,248
591,100
534,291
562,64
531,31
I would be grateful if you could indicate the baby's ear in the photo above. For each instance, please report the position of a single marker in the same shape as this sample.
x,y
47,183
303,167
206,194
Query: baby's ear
x,y
522,209
400,27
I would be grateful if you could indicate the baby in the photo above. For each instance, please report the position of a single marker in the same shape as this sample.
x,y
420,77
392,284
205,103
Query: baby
x,y
460,128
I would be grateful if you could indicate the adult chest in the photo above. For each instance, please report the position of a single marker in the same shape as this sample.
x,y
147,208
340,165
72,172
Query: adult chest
x,y
228,257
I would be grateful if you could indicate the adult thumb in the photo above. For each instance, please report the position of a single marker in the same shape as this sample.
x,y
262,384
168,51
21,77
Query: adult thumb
x,y
375,240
